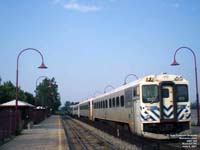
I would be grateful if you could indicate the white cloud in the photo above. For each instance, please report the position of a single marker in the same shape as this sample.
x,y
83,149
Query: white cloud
x,y
76,6
80,5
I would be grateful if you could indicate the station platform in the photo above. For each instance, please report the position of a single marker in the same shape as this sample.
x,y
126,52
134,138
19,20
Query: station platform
x,y
48,135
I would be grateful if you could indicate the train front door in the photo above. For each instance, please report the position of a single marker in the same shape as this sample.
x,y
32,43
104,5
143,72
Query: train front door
x,y
167,103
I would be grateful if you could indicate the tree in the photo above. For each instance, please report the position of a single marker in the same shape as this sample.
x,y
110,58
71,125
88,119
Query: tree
x,y
29,98
66,107
7,92
47,94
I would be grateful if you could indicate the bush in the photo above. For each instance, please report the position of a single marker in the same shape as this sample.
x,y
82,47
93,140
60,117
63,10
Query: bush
x,y
18,129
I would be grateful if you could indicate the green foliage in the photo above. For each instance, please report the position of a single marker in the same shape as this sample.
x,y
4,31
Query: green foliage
x,y
18,129
29,98
8,91
66,107
47,94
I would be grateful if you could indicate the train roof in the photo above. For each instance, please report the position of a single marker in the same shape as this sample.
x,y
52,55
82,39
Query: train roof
x,y
156,77
87,100
71,106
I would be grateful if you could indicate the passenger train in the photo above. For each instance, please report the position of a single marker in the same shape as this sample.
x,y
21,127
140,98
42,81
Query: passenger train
x,y
155,106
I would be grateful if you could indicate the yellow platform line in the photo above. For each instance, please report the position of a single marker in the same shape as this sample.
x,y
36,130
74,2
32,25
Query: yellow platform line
x,y
59,135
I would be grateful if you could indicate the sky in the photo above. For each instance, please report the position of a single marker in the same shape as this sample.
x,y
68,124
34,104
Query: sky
x,y
89,44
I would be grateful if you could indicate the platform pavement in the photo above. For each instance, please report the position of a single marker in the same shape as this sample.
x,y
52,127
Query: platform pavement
x,y
48,135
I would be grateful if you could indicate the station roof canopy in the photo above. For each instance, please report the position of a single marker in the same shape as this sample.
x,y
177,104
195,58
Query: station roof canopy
x,y
13,104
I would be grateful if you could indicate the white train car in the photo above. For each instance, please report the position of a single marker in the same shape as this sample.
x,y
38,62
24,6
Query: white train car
x,y
74,110
86,108
154,106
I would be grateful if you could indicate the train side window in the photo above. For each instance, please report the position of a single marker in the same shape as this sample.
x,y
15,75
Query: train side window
x,y
113,102
106,103
117,101
101,104
128,97
122,100
110,103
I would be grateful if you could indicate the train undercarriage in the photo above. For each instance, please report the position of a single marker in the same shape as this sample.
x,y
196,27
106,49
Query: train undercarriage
x,y
166,128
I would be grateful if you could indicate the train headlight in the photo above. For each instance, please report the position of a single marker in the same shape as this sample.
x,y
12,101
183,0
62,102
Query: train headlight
x,y
178,78
149,79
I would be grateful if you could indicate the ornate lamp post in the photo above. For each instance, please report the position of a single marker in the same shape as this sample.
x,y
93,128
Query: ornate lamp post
x,y
129,76
42,66
174,63
108,87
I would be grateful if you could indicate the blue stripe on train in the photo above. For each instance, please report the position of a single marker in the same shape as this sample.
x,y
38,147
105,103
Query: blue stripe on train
x,y
188,116
152,118
181,117
143,117
157,115
168,116
182,107
167,108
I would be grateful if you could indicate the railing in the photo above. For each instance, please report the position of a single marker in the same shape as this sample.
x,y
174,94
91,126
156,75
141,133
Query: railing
x,y
38,115
7,123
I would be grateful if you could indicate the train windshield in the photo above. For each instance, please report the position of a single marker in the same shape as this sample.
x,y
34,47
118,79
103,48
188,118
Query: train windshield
x,y
150,93
181,93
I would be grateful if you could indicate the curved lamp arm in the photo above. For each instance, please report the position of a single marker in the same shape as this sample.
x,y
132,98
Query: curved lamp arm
x,y
175,63
42,66
108,87
129,76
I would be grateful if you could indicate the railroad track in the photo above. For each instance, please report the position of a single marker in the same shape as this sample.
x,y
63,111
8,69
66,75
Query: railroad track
x,y
80,138
140,142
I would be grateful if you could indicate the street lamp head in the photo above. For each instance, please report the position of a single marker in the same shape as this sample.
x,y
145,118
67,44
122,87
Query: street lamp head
x,y
174,63
42,66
